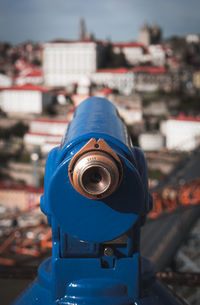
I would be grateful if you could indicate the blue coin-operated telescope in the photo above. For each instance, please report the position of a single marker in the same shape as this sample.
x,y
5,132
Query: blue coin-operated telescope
x,y
95,198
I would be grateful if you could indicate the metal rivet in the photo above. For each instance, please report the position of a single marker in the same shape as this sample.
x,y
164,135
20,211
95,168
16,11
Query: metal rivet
x,y
108,251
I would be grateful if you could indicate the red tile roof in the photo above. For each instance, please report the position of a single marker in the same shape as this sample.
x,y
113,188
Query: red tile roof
x,y
75,41
149,69
106,91
43,134
27,87
15,186
128,45
35,74
116,70
183,117
49,120
144,69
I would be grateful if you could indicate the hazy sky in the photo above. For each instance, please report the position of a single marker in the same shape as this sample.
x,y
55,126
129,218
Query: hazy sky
x,y
119,20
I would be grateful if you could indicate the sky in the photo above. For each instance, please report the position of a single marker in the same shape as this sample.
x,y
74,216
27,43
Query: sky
x,y
117,20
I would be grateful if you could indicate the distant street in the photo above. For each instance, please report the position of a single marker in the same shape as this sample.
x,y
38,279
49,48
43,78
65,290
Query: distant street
x,y
161,237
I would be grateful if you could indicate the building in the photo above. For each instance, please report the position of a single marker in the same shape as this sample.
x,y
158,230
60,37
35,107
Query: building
x,y
139,78
145,35
151,141
156,34
196,80
158,54
192,38
24,99
5,81
129,112
82,34
29,76
150,35
152,78
132,51
45,133
137,53
182,132
65,62
13,195
121,79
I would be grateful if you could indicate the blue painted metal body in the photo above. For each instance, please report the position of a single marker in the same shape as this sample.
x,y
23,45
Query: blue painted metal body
x,y
79,272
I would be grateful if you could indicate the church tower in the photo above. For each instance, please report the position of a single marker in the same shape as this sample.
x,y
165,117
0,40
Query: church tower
x,y
82,35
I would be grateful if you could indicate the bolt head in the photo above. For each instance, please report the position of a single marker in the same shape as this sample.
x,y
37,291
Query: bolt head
x,y
108,251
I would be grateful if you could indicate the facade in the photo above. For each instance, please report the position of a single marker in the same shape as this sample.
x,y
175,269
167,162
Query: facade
x,y
65,62
182,133
17,196
196,80
121,79
158,54
137,53
25,99
151,141
45,134
145,35
156,34
192,38
133,51
150,34
5,81
130,114
148,78
34,77
139,78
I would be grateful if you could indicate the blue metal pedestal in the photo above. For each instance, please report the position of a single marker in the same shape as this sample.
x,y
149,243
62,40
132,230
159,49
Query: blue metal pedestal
x,y
96,199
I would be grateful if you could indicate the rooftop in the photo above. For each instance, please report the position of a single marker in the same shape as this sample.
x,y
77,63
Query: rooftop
x,y
143,69
114,70
53,121
75,41
150,69
183,117
19,187
27,87
128,45
43,134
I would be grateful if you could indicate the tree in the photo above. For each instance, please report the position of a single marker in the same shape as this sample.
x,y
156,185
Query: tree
x,y
19,129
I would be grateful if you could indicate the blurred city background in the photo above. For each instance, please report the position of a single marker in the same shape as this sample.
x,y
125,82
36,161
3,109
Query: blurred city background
x,y
143,56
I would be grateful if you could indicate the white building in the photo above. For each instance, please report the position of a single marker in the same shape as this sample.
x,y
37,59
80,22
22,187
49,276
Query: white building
x,y
23,197
133,51
25,99
145,35
130,113
158,54
136,53
192,38
30,76
65,62
152,78
182,133
5,81
45,133
151,141
121,79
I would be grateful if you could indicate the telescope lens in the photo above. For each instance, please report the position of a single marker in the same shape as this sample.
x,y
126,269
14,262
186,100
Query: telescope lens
x,y
95,174
96,179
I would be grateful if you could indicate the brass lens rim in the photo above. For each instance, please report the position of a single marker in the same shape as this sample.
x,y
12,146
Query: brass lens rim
x,y
109,173
95,155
